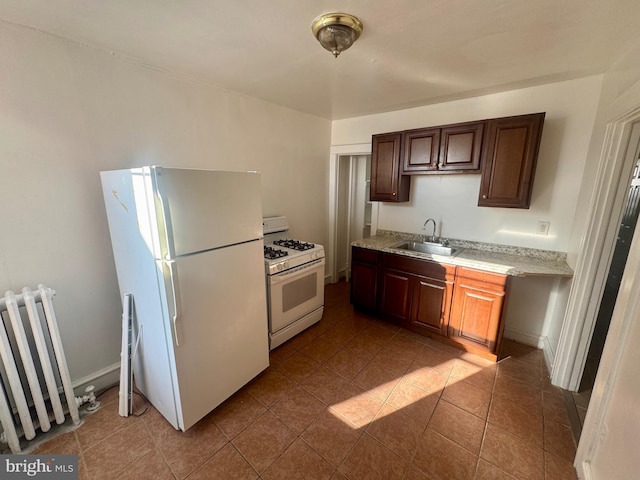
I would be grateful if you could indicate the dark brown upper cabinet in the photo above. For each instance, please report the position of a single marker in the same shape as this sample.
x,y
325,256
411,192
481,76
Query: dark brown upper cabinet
x,y
448,149
503,150
461,147
387,182
421,150
509,160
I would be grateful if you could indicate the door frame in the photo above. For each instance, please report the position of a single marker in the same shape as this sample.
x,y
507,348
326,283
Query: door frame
x,y
617,160
337,151
617,346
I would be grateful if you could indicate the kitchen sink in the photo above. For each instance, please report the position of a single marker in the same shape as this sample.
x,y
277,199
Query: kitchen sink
x,y
431,248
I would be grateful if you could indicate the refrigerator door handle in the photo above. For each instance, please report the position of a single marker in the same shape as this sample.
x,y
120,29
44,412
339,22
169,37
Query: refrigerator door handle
x,y
176,300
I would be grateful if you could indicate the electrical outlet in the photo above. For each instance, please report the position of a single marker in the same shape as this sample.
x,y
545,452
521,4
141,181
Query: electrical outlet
x,y
543,228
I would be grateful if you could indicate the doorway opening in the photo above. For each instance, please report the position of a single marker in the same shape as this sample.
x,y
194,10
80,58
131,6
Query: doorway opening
x,y
355,213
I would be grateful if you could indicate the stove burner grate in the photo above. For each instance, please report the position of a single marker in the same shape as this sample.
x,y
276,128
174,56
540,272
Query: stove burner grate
x,y
272,253
294,244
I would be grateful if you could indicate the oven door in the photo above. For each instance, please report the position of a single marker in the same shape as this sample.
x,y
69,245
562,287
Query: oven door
x,y
295,293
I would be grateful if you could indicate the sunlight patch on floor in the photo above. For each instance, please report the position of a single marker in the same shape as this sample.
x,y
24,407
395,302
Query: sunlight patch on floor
x,y
407,390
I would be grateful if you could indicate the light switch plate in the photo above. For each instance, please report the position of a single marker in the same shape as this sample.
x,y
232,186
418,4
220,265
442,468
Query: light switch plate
x,y
543,228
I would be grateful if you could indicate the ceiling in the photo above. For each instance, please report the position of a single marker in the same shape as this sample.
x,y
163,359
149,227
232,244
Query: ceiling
x,y
412,52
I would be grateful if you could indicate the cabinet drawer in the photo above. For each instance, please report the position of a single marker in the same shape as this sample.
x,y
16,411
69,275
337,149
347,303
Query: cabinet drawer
x,y
495,282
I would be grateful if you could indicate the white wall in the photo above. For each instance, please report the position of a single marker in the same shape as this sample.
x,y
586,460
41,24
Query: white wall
x,y
68,112
536,305
535,312
452,199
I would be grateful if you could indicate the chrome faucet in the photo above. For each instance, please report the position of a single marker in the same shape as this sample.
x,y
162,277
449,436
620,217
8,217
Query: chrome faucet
x,y
433,232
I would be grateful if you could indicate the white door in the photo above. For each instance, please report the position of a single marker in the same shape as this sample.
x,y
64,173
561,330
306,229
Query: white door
x,y
135,249
221,326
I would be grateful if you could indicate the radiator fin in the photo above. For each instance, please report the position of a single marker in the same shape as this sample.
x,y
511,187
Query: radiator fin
x,y
31,350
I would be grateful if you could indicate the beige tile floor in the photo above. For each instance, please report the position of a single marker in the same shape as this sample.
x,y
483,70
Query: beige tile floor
x,y
350,398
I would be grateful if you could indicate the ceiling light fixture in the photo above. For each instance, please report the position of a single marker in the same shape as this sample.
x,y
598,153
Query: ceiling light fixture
x,y
336,31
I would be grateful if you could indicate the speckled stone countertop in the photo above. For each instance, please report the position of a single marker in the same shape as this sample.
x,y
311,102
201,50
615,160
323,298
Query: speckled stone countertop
x,y
516,261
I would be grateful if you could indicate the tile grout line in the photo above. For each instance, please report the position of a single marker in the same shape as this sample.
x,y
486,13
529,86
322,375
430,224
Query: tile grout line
x,y
486,421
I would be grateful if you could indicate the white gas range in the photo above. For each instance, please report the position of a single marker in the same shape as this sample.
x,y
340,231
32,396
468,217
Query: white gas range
x,y
295,281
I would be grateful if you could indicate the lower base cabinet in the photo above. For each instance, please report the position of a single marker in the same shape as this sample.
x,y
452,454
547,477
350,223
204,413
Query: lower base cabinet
x,y
460,306
364,279
395,301
430,306
415,294
477,316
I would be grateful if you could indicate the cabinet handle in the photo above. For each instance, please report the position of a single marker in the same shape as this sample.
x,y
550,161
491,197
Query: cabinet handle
x,y
394,194
484,196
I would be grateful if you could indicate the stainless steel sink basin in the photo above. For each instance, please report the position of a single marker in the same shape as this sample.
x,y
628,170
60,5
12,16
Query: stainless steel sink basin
x,y
432,248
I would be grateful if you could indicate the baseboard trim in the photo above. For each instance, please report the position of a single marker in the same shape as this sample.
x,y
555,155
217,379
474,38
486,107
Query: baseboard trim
x,y
549,354
100,379
536,341
525,338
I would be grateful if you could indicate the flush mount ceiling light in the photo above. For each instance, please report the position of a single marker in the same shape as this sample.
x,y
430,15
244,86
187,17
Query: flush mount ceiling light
x,y
336,31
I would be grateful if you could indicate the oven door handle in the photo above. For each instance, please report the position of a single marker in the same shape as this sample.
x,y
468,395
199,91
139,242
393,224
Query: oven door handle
x,y
295,272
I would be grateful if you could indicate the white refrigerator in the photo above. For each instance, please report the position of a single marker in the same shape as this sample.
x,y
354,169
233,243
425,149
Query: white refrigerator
x,y
188,246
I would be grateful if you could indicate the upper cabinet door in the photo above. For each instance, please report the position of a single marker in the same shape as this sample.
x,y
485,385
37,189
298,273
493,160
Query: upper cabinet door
x,y
509,161
421,149
387,183
461,147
